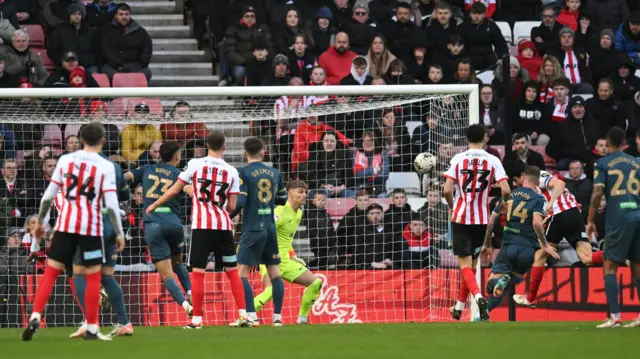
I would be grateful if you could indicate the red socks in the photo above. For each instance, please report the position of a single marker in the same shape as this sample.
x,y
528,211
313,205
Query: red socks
x,y
464,291
596,258
469,278
44,289
197,292
535,278
92,298
236,288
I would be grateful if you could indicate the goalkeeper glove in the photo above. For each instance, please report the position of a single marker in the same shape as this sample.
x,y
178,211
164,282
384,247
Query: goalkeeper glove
x,y
299,260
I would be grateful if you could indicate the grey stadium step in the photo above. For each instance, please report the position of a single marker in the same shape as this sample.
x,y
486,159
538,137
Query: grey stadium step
x,y
179,56
174,44
169,32
236,129
196,69
183,81
160,20
152,7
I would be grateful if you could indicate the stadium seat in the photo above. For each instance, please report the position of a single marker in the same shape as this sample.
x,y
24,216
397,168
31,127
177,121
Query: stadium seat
x,y
416,203
549,162
408,181
522,30
500,150
486,77
71,130
448,259
129,80
412,125
638,73
505,28
384,202
338,207
102,80
117,107
36,35
52,136
46,61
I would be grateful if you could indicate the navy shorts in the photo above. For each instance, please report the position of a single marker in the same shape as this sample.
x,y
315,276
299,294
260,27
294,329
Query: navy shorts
x,y
514,258
258,248
622,242
109,245
164,240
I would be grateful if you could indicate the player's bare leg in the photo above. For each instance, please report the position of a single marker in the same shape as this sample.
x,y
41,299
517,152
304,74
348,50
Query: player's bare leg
x,y
251,318
587,256
197,281
314,286
611,289
278,293
469,279
165,270
635,274
43,292
535,278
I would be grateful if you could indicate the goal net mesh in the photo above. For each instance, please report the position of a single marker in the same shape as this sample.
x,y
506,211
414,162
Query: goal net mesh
x,y
374,230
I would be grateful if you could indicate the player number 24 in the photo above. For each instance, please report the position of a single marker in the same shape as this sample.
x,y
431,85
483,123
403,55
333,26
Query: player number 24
x,y
518,212
166,183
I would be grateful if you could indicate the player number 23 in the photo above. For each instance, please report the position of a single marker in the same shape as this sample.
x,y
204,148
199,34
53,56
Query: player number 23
x,y
157,181
518,212
632,185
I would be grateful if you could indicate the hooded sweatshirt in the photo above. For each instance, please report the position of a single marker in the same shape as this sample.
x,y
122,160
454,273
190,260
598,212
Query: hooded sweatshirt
x,y
354,79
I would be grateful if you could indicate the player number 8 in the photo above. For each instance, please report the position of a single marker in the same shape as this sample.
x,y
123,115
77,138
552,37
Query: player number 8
x,y
264,190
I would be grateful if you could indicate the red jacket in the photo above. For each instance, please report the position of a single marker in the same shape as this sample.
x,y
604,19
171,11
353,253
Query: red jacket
x,y
335,65
305,135
533,64
183,133
568,19
416,242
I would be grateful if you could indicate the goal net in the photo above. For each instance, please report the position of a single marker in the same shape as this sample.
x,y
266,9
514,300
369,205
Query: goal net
x,y
374,230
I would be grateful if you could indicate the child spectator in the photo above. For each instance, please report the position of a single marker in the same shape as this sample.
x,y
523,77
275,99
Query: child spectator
x,y
259,66
301,60
359,73
529,58
558,105
434,75
550,72
569,14
412,248
397,74
399,213
318,77
356,217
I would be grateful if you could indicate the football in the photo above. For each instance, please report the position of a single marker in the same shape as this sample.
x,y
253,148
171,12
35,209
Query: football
x,y
424,162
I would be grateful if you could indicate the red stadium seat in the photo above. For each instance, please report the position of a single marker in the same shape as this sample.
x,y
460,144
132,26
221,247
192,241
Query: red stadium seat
x,y
129,80
52,136
102,80
384,202
500,150
36,35
117,107
338,207
46,61
548,161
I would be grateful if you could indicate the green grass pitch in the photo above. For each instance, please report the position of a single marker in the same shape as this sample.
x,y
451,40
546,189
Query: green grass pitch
x,y
390,341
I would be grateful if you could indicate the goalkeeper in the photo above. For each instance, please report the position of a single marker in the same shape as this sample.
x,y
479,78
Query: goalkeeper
x,y
293,269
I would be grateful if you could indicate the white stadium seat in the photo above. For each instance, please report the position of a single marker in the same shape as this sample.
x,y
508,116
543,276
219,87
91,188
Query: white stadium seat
x,y
522,30
416,203
638,73
505,28
408,181
486,77
411,126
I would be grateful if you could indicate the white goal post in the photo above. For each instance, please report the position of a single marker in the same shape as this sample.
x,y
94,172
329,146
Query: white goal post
x,y
416,284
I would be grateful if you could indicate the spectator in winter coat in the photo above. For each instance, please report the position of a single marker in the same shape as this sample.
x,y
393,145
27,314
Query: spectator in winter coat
x,y
399,213
434,213
382,11
360,29
337,61
325,168
413,247
569,14
522,152
238,43
449,60
418,65
586,35
359,73
371,246
628,38
529,59
356,217
605,109
428,135
27,11
379,56
20,63
441,28
490,5
308,132
136,137
278,10
370,167
547,35
284,33
492,114
573,138
532,117
483,40
260,65
625,82
100,12
54,13
180,128
280,73
341,11
578,184
550,72
610,13
322,236
396,140
575,62
518,77
301,60
402,35
322,31
224,14
76,36
126,46
397,74
601,56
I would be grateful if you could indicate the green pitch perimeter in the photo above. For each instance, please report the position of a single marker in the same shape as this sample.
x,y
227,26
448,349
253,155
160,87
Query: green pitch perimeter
x,y
389,341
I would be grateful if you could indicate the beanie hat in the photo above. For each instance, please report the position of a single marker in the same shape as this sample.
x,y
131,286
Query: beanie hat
x,y
76,7
280,59
576,101
248,9
566,30
607,32
97,105
526,44
514,62
324,13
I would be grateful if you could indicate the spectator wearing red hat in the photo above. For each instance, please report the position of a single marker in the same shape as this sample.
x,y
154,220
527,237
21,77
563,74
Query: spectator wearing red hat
x,y
180,127
336,61
309,131
569,14
528,58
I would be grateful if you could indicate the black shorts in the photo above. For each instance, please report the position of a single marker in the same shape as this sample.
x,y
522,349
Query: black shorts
x,y
205,241
65,246
568,224
467,239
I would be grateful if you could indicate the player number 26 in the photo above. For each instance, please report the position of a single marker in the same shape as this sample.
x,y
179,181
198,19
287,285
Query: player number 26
x,y
632,185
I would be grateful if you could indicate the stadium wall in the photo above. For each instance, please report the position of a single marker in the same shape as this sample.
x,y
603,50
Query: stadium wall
x,y
566,294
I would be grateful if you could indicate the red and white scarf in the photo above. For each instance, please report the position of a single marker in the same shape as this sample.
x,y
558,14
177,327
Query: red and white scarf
x,y
546,92
560,111
362,163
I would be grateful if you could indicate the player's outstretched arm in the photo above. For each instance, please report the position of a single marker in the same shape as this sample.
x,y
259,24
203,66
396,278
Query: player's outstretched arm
x,y
557,187
171,193
538,227
505,189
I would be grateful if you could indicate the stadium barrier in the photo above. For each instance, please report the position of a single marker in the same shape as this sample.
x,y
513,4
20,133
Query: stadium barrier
x,y
566,294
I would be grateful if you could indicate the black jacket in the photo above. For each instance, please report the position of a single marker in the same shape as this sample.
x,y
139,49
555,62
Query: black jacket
x,y
340,16
600,62
121,46
370,244
609,113
283,37
401,38
81,41
533,159
258,71
360,35
224,13
625,88
322,38
550,37
395,219
349,80
323,167
581,189
347,227
573,139
438,36
239,41
531,117
18,198
610,13
322,236
381,11
98,16
301,66
483,42
272,80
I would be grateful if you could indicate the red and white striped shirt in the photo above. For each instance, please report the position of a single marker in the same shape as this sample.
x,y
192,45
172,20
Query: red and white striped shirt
x,y
213,181
84,178
571,67
566,200
474,171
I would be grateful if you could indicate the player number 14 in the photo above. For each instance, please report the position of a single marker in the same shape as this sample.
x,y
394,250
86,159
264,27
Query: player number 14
x,y
518,212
